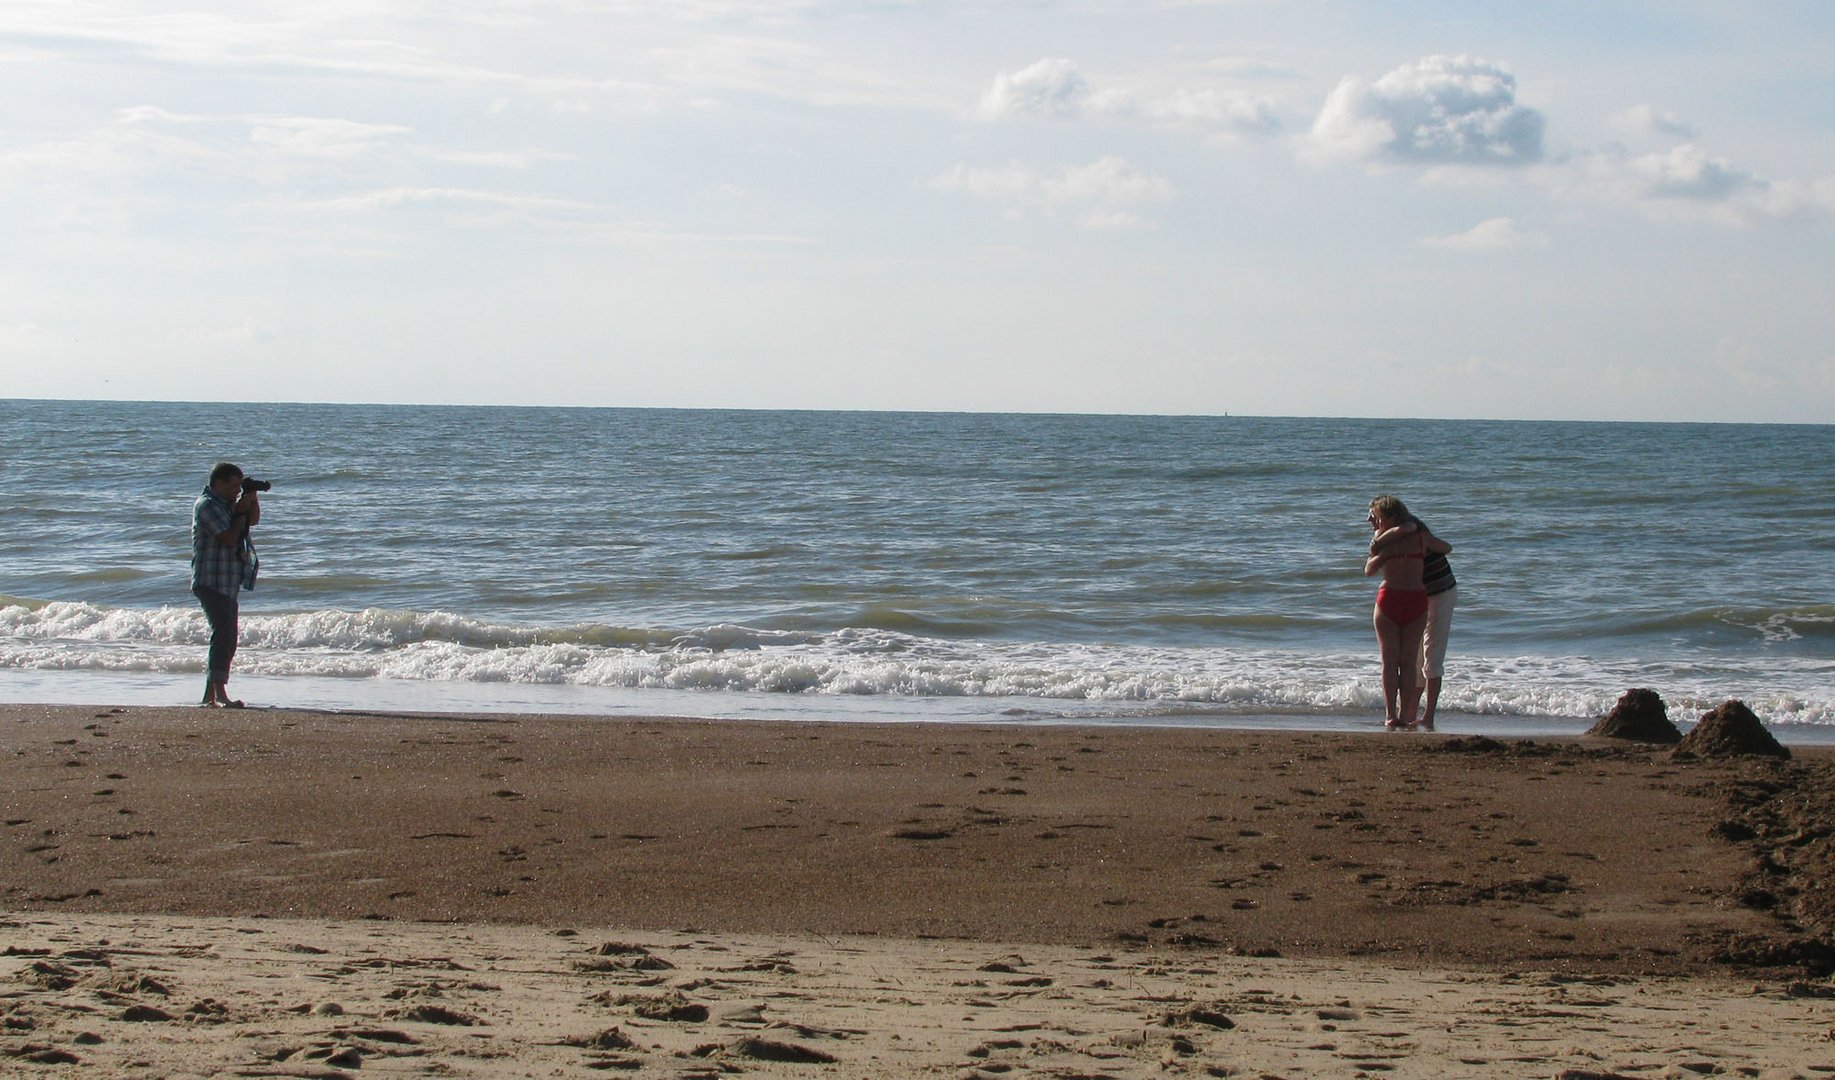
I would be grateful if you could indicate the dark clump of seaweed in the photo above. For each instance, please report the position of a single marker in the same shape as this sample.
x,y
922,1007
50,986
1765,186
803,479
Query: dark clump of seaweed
x,y
1731,730
1640,716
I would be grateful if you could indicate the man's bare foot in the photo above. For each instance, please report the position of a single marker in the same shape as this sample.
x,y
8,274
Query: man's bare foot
x,y
216,696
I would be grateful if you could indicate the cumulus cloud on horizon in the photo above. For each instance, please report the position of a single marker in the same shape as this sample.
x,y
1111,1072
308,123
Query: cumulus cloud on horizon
x,y
1440,110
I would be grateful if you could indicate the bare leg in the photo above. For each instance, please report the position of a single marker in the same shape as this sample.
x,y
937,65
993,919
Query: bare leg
x,y
1389,642
1432,703
1410,684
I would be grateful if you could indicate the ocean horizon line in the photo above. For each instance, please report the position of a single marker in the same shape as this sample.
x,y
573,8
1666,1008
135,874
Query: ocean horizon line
x,y
866,411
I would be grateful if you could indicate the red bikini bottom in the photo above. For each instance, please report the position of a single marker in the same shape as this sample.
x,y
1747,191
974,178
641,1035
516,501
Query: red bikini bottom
x,y
1402,606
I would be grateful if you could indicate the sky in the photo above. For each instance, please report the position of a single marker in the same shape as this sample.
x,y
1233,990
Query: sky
x,y
1562,210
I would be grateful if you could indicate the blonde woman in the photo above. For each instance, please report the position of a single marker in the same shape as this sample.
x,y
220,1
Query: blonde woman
x,y
1401,610
1442,596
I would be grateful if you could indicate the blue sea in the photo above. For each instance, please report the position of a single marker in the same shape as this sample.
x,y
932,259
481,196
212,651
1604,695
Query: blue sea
x,y
917,567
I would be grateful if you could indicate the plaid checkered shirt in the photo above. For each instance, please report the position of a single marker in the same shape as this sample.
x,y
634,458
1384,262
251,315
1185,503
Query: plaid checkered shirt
x,y
214,566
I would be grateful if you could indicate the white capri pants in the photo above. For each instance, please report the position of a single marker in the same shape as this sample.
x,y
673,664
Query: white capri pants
x,y
1433,638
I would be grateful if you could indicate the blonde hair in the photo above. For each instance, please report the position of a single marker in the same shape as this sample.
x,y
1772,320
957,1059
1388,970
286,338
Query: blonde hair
x,y
1390,509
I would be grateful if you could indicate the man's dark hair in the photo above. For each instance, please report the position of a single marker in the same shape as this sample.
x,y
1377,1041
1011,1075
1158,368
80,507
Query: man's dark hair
x,y
222,470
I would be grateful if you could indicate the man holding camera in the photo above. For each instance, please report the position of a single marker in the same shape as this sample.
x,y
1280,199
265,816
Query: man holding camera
x,y
222,564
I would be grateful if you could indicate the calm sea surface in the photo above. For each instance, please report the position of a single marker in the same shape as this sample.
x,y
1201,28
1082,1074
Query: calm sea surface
x,y
914,566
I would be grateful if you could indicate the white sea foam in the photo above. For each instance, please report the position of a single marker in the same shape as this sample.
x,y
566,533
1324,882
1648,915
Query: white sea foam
x,y
729,658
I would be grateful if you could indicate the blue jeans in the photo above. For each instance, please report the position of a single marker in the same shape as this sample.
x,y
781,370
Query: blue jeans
x,y
221,609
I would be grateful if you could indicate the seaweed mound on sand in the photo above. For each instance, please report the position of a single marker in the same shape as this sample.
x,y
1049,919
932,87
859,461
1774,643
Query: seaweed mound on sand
x,y
1730,730
1641,716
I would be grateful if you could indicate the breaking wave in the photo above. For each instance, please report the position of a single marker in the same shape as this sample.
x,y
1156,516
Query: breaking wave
x,y
1136,679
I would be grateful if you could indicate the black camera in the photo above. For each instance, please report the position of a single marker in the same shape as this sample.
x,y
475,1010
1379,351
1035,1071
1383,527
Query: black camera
x,y
249,484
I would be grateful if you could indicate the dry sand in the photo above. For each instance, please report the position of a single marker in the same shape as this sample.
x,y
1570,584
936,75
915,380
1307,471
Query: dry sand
x,y
202,893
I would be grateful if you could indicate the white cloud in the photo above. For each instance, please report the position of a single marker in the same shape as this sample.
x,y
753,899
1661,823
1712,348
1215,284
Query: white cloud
x,y
152,114
1055,89
1110,180
1686,183
56,165
1097,194
327,138
1647,120
393,198
1794,198
1050,88
163,154
1440,110
1687,172
306,43
1497,234
1211,108
1683,181
497,159
307,136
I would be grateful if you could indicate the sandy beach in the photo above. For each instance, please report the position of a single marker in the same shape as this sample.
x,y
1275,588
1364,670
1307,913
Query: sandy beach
x,y
272,893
